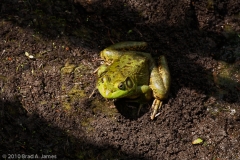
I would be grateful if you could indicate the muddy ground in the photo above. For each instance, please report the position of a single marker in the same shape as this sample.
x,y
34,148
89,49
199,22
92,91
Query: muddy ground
x,y
50,48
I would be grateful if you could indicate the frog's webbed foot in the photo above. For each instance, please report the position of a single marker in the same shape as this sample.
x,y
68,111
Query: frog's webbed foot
x,y
155,106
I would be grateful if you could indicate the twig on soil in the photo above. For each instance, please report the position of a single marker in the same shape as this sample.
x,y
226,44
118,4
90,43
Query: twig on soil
x,y
92,92
95,71
138,31
157,115
237,88
110,37
3,52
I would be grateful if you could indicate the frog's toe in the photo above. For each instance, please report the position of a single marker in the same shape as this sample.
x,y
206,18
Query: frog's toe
x,y
155,106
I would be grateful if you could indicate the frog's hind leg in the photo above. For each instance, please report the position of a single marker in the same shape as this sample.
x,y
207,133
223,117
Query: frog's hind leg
x,y
128,46
115,51
160,83
165,73
160,79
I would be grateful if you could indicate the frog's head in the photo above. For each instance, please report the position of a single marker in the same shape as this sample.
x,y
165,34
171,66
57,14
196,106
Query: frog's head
x,y
115,89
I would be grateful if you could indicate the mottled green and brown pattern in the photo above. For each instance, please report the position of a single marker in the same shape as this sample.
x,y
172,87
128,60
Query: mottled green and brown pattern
x,y
128,73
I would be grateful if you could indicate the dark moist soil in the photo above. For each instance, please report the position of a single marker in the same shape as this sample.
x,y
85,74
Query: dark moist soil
x,y
50,48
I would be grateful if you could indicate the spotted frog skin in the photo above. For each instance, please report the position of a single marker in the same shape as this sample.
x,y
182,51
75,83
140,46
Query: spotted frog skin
x,y
129,73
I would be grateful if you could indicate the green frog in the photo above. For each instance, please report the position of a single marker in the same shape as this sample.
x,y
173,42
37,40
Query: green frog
x,y
129,73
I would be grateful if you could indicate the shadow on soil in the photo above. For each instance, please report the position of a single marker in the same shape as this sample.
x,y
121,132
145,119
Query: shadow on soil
x,y
96,26
29,134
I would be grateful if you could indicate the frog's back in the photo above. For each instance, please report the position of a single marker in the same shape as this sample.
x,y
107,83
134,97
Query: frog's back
x,y
133,66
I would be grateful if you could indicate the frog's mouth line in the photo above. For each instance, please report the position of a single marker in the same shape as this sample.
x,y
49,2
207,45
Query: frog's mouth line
x,y
114,95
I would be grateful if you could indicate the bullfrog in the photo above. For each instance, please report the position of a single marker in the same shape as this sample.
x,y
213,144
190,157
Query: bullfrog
x,y
129,73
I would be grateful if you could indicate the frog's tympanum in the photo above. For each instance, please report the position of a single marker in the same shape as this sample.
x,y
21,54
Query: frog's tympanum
x,y
129,73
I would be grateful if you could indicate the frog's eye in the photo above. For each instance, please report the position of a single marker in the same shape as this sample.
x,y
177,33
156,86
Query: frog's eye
x,y
121,86
129,83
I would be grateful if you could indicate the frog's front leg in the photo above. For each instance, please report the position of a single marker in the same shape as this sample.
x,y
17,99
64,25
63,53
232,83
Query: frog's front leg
x,y
145,93
160,84
101,69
